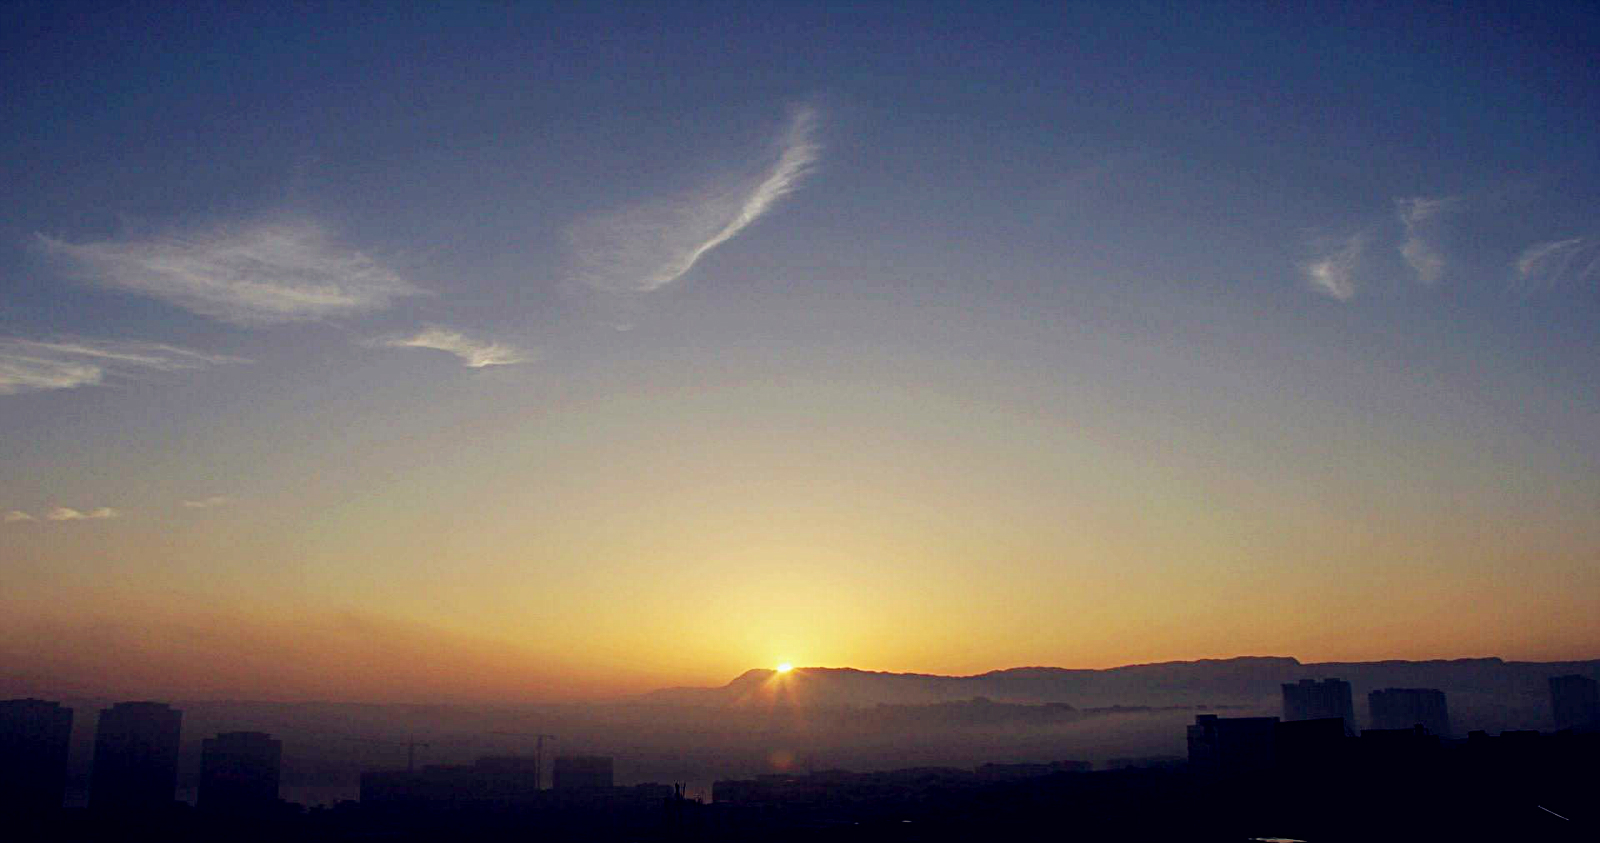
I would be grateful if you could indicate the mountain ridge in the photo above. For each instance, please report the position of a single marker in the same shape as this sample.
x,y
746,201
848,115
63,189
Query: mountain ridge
x,y
1244,680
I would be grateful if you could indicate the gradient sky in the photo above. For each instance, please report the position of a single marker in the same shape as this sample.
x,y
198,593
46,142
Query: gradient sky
x,y
516,352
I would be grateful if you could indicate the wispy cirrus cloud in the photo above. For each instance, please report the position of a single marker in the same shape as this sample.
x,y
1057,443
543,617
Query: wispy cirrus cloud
x,y
647,246
17,516
1421,217
35,365
210,502
1549,264
257,274
66,513
1333,273
474,353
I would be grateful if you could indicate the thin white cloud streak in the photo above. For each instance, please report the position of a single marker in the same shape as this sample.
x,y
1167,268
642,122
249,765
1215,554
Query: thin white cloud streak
x,y
648,246
1333,274
259,274
65,513
35,365
1420,217
208,502
1545,265
16,516
475,354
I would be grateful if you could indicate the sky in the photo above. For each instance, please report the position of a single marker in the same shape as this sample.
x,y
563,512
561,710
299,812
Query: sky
x,y
539,352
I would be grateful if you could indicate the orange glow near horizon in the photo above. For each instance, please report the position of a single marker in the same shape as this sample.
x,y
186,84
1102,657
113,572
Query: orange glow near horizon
x,y
689,556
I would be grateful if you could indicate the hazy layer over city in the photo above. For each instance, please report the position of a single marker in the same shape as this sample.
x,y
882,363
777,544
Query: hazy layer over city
x,y
517,354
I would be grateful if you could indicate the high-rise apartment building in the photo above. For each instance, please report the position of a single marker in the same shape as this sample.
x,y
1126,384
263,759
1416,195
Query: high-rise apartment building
x,y
1309,699
34,736
135,757
1575,702
1402,708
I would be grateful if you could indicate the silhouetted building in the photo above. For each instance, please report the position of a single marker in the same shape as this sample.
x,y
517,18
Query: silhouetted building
x,y
505,788
391,788
1020,772
135,757
1397,749
1310,749
1147,762
1402,708
509,776
239,773
492,780
574,772
34,736
1232,746
1516,752
842,787
1309,699
1575,702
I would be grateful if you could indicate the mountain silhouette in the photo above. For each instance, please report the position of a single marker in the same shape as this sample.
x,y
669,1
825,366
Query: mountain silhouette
x,y
1245,681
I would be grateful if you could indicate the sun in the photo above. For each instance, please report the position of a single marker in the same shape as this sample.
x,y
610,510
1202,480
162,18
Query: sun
x,y
785,667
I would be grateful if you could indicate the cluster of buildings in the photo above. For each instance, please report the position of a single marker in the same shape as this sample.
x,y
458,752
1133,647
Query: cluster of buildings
x,y
134,778
135,761
1390,708
506,782
838,788
497,798
136,755
1318,715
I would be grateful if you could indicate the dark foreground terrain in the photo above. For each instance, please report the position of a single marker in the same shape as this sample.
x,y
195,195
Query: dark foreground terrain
x,y
1321,786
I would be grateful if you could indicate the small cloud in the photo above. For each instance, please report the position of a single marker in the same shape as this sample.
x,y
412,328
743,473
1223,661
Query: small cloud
x,y
248,275
16,516
208,502
1333,274
63,513
647,246
34,365
1545,265
1421,218
476,354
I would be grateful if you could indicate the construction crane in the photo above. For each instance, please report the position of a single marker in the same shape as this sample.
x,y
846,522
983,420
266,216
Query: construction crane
x,y
538,753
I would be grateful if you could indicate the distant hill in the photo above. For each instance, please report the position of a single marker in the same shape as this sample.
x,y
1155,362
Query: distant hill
x,y
1518,690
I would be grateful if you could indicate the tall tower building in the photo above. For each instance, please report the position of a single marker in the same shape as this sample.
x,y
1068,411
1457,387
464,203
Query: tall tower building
x,y
1309,699
135,757
1403,708
1575,702
34,736
239,773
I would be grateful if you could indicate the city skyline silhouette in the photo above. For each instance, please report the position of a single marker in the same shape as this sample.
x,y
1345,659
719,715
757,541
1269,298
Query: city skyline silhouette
x,y
1314,753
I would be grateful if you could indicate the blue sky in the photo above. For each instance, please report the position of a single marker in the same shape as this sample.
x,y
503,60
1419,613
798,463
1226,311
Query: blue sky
x,y
413,311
